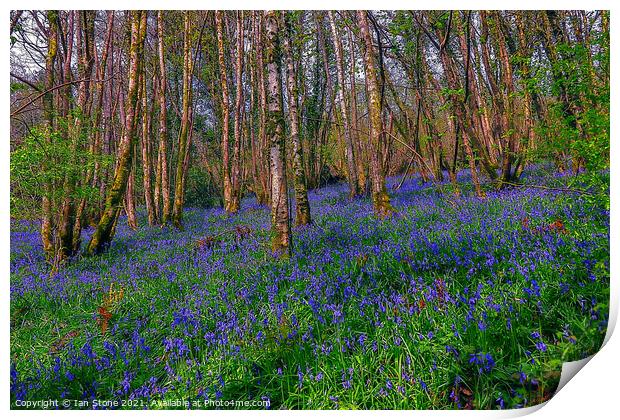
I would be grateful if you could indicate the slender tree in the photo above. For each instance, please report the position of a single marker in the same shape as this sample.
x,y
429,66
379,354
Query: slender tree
x,y
235,169
105,229
226,175
340,95
302,205
355,134
380,197
146,155
185,131
130,197
263,193
280,222
47,224
84,31
162,179
92,175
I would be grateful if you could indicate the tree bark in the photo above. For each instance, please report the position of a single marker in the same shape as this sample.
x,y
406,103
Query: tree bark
x,y
458,96
130,201
302,205
355,136
184,134
146,156
92,176
380,197
348,141
469,100
104,232
235,174
280,222
226,175
254,140
162,166
85,42
263,192
508,137
47,226
529,101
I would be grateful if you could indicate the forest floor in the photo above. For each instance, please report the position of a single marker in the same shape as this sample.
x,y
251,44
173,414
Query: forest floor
x,y
450,303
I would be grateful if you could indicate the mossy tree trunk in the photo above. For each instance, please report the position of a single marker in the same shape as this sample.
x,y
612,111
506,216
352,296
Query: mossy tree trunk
x,y
92,175
235,167
146,156
130,201
280,222
47,227
85,31
302,205
508,139
380,198
104,232
162,180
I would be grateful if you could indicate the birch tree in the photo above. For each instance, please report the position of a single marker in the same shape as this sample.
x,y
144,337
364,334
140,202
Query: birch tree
x,y
280,222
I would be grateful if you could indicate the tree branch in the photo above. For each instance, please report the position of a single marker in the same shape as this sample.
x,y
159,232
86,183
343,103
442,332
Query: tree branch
x,y
29,83
21,108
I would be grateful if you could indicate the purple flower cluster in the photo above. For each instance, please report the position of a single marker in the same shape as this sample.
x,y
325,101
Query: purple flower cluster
x,y
394,307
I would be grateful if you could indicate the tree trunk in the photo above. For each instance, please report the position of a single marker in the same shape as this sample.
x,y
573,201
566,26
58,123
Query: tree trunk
x,y
85,64
162,166
469,100
47,226
349,152
302,206
355,135
92,176
280,222
105,229
464,119
146,156
254,138
263,193
528,98
236,160
130,201
509,130
226,175
380,197
184,134
328,101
